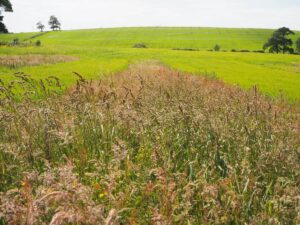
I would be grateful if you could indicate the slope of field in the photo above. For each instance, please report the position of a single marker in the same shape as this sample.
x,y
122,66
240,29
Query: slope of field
x,y
160,37
106,51
148,146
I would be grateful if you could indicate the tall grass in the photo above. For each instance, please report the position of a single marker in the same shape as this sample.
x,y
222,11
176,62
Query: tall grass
x,y
147,146
17,61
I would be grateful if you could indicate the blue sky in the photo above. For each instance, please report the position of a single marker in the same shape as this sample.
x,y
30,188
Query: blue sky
x,y
118,13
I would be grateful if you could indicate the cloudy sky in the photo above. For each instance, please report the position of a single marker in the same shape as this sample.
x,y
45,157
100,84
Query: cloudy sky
x,y
77,14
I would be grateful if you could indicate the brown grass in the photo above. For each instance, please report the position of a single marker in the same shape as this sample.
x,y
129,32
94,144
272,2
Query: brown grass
x,y
297,65
15,61
149,146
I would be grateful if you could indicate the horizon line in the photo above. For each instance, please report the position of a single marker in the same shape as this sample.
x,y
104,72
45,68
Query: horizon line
x,y
119,27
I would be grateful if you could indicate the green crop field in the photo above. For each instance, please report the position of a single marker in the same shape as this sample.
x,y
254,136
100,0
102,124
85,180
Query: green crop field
x,y
105,51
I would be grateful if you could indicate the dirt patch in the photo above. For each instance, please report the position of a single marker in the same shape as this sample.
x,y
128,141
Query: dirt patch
x,y
15,61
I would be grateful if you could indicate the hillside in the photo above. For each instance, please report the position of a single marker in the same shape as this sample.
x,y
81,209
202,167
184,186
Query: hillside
x,y
160,37
105,51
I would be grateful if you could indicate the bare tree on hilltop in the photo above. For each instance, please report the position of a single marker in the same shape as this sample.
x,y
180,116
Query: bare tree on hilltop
x,y
54,23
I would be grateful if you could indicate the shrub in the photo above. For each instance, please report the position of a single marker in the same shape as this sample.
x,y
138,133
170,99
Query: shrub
x,y
217,48
140,45
15,41
233,50
38,43
244,50
185,49
259,51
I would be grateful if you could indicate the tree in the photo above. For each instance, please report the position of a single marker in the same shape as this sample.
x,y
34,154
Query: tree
x,y
54,23
298,45
3,28
7,7
40,26
217,48
279,42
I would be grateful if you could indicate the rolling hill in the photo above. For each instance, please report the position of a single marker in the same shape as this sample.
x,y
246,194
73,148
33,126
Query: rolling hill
x,y
106,51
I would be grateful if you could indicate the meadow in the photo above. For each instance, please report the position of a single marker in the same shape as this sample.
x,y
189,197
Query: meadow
x,y
94,131
107,51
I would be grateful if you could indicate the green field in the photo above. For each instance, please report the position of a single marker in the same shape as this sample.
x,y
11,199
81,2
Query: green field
x,y
107,51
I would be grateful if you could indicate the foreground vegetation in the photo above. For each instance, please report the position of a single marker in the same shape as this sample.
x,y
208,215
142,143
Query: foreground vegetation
x,y
147,146
106,51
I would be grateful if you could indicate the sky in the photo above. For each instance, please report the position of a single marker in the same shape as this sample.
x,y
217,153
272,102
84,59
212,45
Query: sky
x,y
78,14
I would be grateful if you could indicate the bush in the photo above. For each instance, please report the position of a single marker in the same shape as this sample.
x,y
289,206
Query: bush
x,y
140,45
15,42
217,48
38,43
244,50
185,49
233,50
259,51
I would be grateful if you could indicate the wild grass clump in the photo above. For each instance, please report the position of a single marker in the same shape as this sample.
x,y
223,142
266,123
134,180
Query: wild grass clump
x,y
16,61
3,43
148,146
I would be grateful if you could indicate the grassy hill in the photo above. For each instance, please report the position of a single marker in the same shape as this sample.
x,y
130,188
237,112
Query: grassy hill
x,y
160,37
105,51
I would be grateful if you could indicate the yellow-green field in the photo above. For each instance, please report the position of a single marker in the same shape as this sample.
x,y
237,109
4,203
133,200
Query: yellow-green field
x,y
107,51
150,144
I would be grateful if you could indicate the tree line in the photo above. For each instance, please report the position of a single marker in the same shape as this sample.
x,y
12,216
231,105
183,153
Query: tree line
x,y
53,23
6,6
